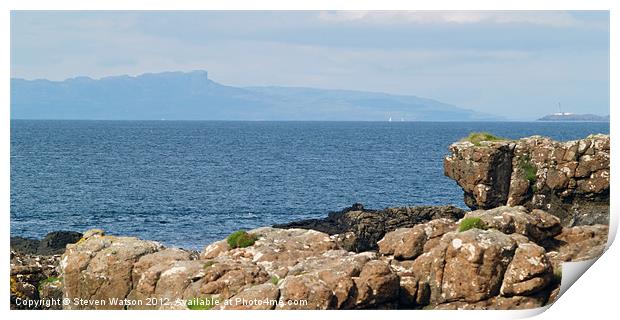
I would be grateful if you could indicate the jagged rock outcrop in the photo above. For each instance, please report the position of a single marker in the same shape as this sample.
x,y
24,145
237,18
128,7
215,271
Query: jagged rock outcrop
x,y
510,265
360,229
509,261
567,179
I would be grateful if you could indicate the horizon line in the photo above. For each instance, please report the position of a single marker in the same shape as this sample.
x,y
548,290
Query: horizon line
x,y
263,120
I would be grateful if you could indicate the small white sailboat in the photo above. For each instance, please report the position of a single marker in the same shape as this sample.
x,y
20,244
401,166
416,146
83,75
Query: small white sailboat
x,y
390,119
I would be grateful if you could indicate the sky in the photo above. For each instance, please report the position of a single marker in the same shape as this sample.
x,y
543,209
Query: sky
x,y
516,64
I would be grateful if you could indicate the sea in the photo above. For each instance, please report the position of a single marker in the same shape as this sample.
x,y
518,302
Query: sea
x,y
189,183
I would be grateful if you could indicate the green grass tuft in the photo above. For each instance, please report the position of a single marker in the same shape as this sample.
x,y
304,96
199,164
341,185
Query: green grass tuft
x,y
470,223
274,280
46,281
241,239
477,137
529,170
208,264
49,280
206,303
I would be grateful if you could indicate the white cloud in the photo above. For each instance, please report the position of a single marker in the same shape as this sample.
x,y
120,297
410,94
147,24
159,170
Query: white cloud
x,y
549,18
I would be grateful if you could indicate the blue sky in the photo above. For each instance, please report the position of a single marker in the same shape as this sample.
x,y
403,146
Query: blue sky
x,y
518,64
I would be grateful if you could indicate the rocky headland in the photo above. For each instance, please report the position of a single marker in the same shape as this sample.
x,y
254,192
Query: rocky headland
x,y
567,179
506,253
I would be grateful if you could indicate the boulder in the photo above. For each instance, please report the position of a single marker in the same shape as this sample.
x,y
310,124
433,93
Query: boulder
x,y
224,277
469,266
529,271
278,250
408,243
163,275
100,267
405,243
306,292
536,225
344,280
215,249
376,285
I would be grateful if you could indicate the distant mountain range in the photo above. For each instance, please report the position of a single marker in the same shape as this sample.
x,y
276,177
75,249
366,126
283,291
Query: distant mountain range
x,y
193,96
574,117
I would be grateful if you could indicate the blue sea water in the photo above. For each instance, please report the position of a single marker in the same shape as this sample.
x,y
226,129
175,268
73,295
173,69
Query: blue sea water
x,y
188,183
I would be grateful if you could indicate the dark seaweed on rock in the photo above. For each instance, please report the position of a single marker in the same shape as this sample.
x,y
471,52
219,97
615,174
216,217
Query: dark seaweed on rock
x,y
359,229
52,243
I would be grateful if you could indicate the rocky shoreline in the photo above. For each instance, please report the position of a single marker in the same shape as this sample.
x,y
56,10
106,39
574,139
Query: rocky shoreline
x,y
504,254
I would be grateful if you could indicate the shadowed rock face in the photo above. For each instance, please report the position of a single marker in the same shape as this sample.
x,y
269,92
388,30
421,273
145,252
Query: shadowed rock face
x,y
360,229
567,179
